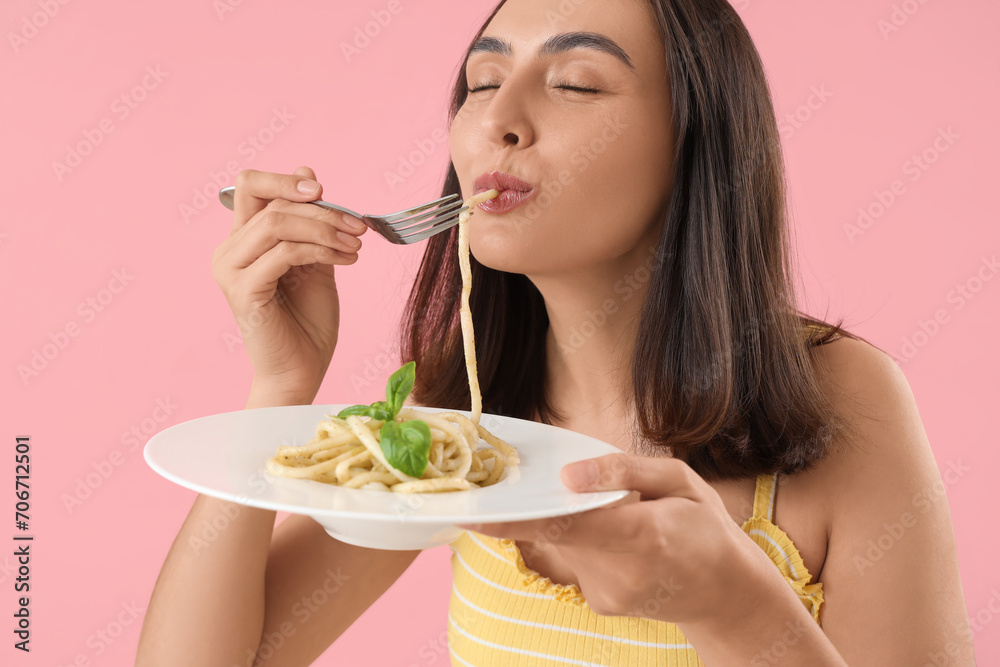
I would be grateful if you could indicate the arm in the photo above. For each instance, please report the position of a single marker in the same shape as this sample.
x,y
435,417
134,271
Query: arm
x,y
891,580
218,604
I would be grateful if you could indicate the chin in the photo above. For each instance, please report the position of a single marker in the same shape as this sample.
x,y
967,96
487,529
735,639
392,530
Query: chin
x,y
504,251
493,258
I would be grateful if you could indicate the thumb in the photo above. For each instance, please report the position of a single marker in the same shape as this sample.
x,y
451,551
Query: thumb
x,y
307,172
652,477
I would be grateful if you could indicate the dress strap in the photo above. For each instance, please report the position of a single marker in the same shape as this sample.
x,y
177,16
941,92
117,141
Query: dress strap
x,y
763,496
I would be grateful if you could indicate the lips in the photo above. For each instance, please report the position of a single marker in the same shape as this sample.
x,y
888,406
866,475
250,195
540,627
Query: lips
x,y
513,191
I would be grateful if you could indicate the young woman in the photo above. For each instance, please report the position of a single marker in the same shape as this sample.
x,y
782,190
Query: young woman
x,y
640,293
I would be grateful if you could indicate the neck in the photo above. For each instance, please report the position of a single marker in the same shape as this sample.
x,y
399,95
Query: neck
x,y
593,320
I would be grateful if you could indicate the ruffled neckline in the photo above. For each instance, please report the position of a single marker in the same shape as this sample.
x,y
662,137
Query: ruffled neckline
x,y
772,539
782,551
534,581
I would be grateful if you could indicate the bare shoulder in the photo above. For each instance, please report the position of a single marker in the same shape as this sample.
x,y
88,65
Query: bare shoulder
x,y
881,450
891,551
883,431
855,377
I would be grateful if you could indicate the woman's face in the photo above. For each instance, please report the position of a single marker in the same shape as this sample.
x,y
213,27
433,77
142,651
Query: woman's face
x,y
571,97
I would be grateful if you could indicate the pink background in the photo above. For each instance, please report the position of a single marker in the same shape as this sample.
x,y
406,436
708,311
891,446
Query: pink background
x,y
168,335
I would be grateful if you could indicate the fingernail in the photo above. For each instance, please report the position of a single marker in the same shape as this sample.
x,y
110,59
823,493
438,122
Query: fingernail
x,y
583,474
308,187
354,223
350,241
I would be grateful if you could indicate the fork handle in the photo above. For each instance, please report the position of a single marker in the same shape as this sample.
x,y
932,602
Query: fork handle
x,y
227,197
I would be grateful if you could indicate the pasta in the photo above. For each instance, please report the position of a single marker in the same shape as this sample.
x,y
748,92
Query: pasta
x,y
350,451
468,332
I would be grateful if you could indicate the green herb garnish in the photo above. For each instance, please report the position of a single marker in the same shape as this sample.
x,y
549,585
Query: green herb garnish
x,y
406,445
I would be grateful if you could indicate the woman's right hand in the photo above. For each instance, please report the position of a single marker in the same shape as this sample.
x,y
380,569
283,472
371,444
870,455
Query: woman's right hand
x,y
276,270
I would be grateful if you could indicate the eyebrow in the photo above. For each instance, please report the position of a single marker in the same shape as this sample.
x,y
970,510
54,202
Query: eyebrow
x,y
557,44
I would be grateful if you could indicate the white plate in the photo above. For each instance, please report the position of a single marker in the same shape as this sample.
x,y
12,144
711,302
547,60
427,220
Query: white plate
x,y
224,455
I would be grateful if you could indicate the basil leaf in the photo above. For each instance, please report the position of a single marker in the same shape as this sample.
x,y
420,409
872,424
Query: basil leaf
x,y
359,410
406,445
399,387
380,410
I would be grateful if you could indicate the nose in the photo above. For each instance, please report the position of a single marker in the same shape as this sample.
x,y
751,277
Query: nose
x,y
507,120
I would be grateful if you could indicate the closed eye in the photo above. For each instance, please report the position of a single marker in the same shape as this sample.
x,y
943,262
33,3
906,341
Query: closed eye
x,y
562,86
578,89
485,86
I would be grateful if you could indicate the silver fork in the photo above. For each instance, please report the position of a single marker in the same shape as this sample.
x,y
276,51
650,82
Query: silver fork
x,y
408,226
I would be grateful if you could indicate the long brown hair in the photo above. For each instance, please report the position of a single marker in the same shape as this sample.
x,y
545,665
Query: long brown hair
x,y
721,375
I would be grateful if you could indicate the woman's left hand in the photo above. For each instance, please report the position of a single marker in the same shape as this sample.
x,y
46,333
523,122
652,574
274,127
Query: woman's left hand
x,y
675,555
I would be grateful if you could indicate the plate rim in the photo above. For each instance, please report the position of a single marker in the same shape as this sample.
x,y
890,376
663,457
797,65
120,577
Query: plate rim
x,y
588,500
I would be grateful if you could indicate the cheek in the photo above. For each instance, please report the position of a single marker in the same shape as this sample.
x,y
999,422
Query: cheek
x,y
623,177
465,142
613,185
458,148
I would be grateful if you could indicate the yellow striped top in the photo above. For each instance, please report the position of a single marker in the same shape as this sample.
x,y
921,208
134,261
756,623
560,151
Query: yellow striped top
x,y
501,613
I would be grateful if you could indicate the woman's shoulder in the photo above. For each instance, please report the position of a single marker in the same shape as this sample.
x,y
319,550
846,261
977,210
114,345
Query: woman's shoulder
x,y
861,381
881,452
871,397
884,500
869,394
